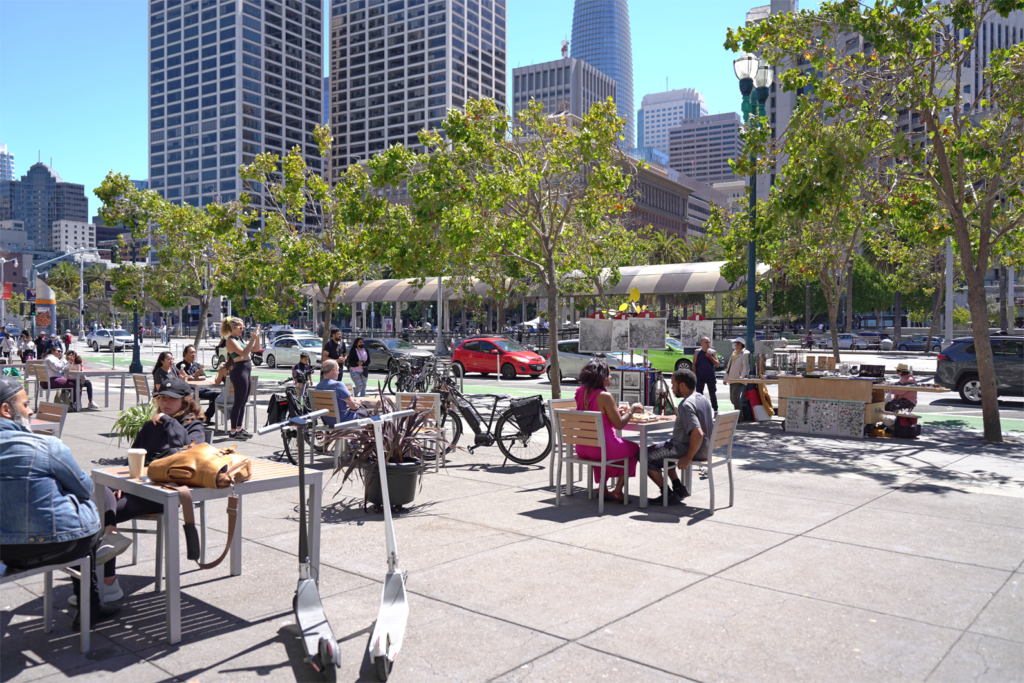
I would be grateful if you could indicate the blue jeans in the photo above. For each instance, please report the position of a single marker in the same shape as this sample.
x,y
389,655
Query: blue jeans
x,y
358,382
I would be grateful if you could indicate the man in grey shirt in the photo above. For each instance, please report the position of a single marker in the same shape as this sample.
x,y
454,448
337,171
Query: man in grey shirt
x,y
691,436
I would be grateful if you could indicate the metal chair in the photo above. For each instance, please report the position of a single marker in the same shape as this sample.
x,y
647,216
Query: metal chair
x,y
51,412
326,399
556,404
426,403
142,389
226,400
721,437
84,565
585,428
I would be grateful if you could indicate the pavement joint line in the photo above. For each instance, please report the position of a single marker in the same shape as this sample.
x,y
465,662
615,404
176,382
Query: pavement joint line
x,y
962,563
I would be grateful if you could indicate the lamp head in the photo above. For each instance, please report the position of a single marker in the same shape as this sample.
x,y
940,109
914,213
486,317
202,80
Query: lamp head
x,y
764,75
745,66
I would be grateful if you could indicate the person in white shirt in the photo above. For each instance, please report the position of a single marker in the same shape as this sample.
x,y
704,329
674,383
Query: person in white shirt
x,y
8,347
56,367
737,369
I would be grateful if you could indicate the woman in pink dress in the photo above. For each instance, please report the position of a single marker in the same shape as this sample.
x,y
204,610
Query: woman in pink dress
x,y
591,395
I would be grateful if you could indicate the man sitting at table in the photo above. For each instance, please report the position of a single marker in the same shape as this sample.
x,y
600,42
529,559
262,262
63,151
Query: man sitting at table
x,y
194,370
329,381
691,435
47,516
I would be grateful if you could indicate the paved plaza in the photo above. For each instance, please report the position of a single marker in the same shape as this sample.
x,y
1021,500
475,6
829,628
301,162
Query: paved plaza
x,y
841,560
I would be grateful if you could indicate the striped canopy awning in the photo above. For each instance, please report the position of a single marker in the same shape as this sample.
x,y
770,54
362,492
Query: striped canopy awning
x,y
674,278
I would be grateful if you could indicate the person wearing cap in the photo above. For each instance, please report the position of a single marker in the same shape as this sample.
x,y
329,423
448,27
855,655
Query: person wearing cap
x,y
903,370
736,370
47,516
177,423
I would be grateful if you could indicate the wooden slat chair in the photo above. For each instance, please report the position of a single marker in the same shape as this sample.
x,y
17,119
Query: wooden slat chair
x,y
426,403
721,439
326,399
43,383
226,401
55,413
142,390
554,405
584,428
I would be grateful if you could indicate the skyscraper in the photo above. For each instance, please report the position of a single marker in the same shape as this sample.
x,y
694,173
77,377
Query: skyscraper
x,y
660,111
701,147
601,38
39,199
399,67
6,163
228,80
567,84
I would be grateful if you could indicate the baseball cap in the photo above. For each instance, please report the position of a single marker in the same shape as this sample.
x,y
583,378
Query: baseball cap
x,y
175,388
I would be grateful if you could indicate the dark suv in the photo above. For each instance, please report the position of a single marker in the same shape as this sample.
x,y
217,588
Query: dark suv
x,y
958,368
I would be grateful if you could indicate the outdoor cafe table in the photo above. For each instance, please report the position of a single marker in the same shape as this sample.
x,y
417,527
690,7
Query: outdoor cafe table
x,y
198,384
106,374
641,430
266,476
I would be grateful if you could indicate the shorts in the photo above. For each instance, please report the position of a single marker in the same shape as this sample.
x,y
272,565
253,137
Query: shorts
x,y
667,449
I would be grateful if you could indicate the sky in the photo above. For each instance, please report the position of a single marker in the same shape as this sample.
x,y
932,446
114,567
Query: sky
x,y
73,72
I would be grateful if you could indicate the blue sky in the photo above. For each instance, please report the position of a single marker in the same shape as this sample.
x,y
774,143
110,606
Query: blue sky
x,y
73,72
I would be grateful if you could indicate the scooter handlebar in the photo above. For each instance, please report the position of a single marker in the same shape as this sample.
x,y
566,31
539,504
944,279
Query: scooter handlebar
x,y
300,419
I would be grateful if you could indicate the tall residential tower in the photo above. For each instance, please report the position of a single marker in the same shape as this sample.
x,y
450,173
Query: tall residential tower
x,y
601,38
6,163
230,79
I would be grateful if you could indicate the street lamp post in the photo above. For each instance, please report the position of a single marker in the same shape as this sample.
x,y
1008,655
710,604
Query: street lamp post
x,y
754,78
3,301
136,365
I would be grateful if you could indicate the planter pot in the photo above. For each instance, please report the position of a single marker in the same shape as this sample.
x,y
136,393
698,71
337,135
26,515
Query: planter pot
x,y
403,478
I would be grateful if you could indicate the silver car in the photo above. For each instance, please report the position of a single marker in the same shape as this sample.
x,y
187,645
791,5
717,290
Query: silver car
x,y
571,360
285,350
104,339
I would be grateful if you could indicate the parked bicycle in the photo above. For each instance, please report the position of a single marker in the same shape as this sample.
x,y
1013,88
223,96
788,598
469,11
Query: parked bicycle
x,y
405,377
296,402
522,429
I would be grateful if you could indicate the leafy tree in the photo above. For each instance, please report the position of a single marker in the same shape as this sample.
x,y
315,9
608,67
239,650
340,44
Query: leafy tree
x,y
966,152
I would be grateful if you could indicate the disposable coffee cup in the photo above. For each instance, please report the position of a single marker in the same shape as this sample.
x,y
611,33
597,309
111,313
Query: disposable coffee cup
x,y
136,459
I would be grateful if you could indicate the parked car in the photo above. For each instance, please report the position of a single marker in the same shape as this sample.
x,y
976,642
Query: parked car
x,y
104,339
957,368
571,360
918,343
286,349
676,356
383,353
487,355
846,341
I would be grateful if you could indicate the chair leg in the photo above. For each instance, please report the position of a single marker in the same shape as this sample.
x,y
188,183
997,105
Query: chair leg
x,y
664,483
85,602
590,482
558,482
159,555
729,466
48,601
625,475
600,494
711,485
135,543
202,532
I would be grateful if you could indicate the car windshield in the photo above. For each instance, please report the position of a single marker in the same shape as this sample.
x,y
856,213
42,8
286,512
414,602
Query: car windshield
x,y
309,343
673,344
508,345
398,344
121,333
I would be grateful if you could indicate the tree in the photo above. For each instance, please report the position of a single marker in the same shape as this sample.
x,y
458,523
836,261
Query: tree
x,y
966,150
524,191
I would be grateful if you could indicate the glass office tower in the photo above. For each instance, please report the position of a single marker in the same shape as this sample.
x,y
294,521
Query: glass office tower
x,y
601,38
230,79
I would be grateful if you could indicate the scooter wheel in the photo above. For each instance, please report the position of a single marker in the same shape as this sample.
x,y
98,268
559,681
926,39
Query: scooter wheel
x,y
329,658
383,665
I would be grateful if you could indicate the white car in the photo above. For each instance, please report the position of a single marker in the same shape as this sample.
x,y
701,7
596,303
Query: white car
x,y
846,341
104,339
285,350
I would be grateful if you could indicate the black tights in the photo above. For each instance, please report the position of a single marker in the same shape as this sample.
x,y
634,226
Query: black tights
x,y
124,509
240,381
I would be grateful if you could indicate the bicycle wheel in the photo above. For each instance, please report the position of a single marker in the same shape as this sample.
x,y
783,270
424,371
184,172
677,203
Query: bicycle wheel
x,y
285,439
525,449
451,425
390,382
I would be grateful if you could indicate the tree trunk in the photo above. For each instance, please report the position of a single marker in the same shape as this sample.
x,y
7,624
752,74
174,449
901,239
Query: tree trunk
x,y
204,308
832,302
936,304
501,315
807,307
983,350
553,319
1002,299
849,299
897,321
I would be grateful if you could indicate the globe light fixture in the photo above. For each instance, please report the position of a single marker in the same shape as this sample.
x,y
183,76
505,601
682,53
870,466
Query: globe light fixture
x,y
745,66
763,77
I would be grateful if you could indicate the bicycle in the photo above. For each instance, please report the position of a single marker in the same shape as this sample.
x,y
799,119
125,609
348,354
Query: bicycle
x,y
403,378
522,431
299,404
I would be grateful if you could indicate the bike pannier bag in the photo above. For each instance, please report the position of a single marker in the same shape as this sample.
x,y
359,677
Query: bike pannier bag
x,y
277,410
906,428
528,413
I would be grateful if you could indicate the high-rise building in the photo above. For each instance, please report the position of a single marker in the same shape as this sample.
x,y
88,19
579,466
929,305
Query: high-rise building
x,y
228,80
70,236
39,199
601,38
567,84
6,163
326,114
660,111
399,66
701,147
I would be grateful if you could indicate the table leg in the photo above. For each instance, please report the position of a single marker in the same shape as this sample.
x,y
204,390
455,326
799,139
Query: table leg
x,y
173,570
315,499
78,393
122,393
236,542
106,391
642,467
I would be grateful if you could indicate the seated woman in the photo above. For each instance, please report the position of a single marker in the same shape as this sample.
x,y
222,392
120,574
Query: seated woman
x,y
163,369
902,400
75,363
591,395
56,368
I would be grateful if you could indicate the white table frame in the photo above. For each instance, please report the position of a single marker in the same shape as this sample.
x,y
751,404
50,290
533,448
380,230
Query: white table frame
x,y
107,374
170,500
641,430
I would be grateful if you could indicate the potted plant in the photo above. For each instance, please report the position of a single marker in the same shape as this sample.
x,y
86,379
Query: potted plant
x,y
130,421
405,442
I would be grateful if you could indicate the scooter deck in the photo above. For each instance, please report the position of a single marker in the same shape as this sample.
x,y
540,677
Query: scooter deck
x,y
309,613
389,630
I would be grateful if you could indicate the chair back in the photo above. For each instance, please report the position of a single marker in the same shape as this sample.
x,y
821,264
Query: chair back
x,y
253,383
724,432
39,370
580,428
325,399
142,387
424,403
55,413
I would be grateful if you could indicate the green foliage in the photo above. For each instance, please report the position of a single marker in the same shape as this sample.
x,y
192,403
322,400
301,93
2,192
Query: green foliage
x,y
131,420
961,316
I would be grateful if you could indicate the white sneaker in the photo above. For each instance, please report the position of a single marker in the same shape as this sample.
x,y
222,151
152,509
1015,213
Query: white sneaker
x,y
93,405
111,546
111,593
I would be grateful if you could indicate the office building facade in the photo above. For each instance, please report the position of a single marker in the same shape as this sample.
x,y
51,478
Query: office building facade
x,y
39,199
398,66
601,38
701,147
567,84
6,163
70,236
660,111
230,79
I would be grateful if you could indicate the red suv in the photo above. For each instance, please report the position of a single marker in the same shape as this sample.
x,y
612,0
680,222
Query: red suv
x,y
488,354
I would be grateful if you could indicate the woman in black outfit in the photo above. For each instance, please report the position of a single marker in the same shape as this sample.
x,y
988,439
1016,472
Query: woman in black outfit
x,y
163,370
231,331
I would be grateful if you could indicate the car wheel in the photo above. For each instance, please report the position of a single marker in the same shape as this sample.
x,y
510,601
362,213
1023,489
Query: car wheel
x,y
508,371
271,361
392,365
683,364
257,360
901,347
561,377
95,347
936,348
970,390
458,369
